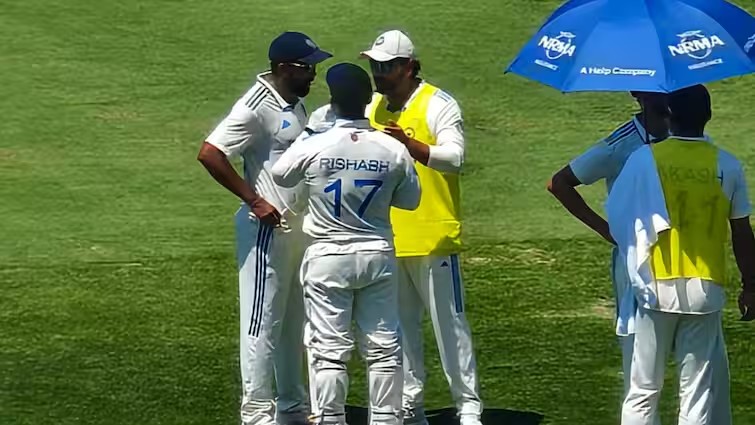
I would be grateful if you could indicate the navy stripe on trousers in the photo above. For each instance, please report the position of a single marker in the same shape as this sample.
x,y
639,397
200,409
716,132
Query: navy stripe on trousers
x,y
456,276
264,236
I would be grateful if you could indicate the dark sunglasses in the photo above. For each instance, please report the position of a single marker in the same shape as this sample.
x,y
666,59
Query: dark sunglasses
x,y
305,66
387,67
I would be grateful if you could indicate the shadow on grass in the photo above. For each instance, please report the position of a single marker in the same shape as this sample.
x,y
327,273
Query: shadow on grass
x,y
357,415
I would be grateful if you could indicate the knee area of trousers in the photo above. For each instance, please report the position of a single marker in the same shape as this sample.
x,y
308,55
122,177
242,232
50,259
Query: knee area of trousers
x,y
321,364
384,357
642,399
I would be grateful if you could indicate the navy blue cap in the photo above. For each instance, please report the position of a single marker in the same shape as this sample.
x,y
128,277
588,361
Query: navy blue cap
x,y
296,47
349,81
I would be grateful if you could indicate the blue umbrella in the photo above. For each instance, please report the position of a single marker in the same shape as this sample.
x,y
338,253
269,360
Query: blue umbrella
x,y
642,45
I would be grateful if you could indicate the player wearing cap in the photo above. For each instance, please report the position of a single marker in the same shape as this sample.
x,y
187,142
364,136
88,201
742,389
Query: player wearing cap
x,y
428,122
676,201
353,175
259,128
604,161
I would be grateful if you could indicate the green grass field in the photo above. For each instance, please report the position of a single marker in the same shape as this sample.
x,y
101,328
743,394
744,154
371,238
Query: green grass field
x,y
119,295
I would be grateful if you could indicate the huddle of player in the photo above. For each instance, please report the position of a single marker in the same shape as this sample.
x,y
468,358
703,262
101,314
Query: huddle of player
x,y
360,209
353,216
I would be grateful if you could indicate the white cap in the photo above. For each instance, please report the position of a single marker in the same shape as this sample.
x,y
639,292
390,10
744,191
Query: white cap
x,y
391,45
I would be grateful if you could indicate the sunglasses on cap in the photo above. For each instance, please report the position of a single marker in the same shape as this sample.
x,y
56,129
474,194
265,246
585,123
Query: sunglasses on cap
x,y
387,67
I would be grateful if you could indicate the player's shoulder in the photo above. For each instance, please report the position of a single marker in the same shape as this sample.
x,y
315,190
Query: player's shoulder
x,y
443,96
728,161
321,119
391,146
258,98
625,133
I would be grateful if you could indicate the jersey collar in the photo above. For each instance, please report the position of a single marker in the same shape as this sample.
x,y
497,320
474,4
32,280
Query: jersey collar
x,y
359,124
278,98
705,138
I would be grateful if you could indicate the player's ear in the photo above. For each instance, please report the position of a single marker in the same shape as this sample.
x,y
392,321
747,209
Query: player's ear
x,y
276,68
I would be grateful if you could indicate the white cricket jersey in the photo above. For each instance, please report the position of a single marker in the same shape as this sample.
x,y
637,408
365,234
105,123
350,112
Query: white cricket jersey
x,y
353,175
444,120
259,128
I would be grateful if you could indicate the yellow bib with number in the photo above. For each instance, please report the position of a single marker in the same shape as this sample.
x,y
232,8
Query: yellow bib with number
x,y
695,246
435,226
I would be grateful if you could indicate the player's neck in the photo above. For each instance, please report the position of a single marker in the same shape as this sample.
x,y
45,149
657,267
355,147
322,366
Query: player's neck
x,y
401,95
351,117
689,133
280,86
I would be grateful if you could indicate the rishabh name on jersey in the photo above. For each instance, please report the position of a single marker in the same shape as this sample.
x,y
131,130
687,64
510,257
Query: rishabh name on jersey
x,y
353,178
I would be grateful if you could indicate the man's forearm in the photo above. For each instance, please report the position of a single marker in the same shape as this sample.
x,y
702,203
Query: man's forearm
x,y
743,244
222,171
418,150
576,205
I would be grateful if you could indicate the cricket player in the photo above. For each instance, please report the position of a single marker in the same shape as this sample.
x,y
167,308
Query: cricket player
x,y
259,128
428,121
353,175
604,161
700,192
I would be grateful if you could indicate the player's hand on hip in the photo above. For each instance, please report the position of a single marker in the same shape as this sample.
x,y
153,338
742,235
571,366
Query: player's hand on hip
x,y
747,304
395,131
265,212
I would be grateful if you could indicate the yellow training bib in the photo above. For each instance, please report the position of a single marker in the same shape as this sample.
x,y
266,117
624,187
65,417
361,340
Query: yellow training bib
x,y
695,246
435,226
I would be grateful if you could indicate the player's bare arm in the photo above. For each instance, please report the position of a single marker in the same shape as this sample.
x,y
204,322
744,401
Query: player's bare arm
x,y
743,244
217,164
563,186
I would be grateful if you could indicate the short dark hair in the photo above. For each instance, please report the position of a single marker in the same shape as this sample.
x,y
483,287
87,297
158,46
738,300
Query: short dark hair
x,y
350,87
417,68
690,107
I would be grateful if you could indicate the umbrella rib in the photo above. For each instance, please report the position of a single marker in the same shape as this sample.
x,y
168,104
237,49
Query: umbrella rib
x,y
660,48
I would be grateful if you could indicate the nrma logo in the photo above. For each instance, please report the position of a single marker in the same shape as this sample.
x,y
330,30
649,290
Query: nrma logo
x,y
695,44
555,47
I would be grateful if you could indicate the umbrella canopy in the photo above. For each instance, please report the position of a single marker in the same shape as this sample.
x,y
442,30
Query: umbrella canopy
x,y
641,45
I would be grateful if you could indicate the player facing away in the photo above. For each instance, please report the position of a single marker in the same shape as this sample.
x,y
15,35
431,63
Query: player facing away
x,y
670,212
260,126
354,175
604,161
428,121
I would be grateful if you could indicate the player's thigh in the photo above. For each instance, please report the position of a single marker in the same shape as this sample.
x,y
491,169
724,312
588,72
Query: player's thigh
x,y
697,346
444,286
257,285
328,301
376,310
414,273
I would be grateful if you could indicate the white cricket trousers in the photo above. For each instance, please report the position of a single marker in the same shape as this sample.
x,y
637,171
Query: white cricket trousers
x,y
338,289
435,282
271,321
700,354
620,281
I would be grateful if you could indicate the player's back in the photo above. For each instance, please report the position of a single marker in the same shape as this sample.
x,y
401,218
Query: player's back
x,y
353,179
